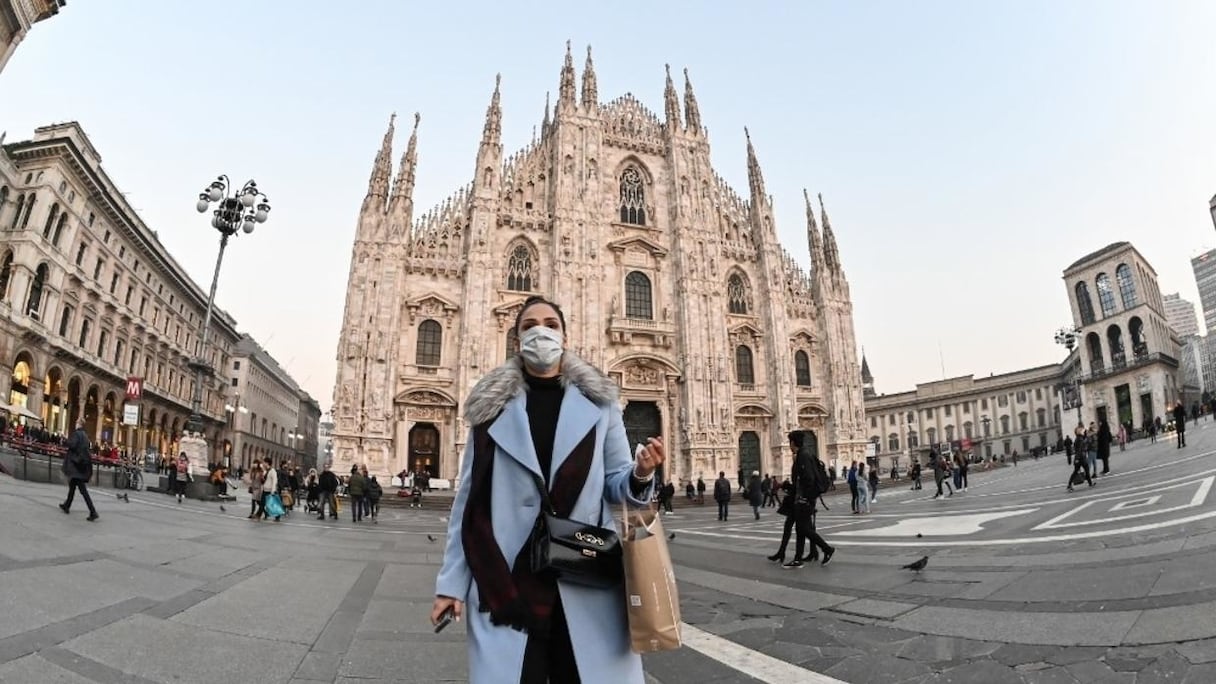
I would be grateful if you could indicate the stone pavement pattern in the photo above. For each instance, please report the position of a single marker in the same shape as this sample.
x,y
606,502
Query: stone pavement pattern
x,y
157,592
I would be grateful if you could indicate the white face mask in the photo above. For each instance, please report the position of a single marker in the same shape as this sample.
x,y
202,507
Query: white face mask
x,y
541,348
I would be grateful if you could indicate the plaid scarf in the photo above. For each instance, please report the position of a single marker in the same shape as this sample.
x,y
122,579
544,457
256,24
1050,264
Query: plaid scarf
x,y
515,597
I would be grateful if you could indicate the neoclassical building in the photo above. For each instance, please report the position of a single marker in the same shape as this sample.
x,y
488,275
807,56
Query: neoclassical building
x,y
90,297
671,281
1129,353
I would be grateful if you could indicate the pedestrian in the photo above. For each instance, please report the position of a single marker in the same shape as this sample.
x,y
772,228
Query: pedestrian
x,y
313,487
367,502
755,493
809,479
270,487
1180,423
374,492
354,491
1091,447
78,468
256,477
916,483
700,491
1068,449
852,480
941,471
182,470
722,495
874,483
328,482
1123,436
1080,464
964,464
766,491
690,491
1104,440
523,629
863,490
786,509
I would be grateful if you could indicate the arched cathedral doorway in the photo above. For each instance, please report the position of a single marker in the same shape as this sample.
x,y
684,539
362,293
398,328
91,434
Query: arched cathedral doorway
x,y
424,449
749,454
643,421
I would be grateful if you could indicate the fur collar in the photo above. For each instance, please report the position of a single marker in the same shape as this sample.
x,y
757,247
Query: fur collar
x,y
493,391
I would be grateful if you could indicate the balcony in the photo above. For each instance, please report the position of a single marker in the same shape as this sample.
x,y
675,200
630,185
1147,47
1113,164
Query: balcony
x,y
623,330
1121,363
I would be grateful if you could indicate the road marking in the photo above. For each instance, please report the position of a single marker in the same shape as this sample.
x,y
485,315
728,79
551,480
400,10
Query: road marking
x,y
936,526
1147,527
1123,473
751,663
1124,505
1205,486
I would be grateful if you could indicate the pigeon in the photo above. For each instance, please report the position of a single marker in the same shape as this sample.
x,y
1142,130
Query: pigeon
x,y
430,537
672,535
222,509
918,565
123,497
919,535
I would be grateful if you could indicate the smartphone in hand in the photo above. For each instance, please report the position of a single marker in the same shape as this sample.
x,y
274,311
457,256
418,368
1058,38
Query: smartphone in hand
x,y
445,619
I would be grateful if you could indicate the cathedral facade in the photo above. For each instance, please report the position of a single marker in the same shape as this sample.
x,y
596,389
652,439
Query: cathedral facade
x,y
671,282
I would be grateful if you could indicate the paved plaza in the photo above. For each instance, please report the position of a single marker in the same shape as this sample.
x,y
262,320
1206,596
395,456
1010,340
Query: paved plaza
x,y
1025,583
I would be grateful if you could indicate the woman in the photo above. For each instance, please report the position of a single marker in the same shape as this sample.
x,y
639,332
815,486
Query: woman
x,y
863,490
182,470
270,487
787,509
545,416
314,491
255,489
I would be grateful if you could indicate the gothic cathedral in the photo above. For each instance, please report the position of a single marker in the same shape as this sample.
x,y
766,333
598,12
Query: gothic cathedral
x,y
672,283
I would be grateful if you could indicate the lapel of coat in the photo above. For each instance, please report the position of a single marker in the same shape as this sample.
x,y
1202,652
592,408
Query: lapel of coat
x,y
511,432
577,416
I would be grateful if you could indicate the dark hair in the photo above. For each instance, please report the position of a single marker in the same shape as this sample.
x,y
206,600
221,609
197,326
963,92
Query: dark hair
x,y
532,301
796,438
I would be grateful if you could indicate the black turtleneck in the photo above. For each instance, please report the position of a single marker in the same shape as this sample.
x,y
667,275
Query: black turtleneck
x,y
544,406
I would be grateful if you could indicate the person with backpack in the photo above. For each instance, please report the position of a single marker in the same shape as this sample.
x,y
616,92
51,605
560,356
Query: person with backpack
x,y
78,468
810,480
722,495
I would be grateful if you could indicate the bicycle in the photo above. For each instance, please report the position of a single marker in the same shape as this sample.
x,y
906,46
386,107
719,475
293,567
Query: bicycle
x,y
133,478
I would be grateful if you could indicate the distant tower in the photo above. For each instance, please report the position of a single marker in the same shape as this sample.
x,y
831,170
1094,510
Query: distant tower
x,y
867,379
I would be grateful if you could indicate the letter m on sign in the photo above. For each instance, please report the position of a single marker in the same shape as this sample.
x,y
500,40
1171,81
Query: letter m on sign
x,y
135,388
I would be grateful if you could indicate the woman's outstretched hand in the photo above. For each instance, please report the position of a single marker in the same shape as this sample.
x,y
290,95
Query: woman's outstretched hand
x,y
653,455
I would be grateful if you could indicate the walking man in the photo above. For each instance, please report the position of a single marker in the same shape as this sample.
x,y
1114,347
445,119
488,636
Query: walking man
x,y
722,495
1180,423
78,468
809,480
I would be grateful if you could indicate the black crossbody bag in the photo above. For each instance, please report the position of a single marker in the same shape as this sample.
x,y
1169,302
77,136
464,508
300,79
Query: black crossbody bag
x,y
573,551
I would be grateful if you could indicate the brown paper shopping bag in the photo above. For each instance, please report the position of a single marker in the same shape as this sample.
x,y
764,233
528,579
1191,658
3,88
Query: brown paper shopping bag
x,y
653,602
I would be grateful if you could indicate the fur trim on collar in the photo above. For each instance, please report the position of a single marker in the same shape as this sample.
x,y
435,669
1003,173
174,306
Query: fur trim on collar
x,y
493,391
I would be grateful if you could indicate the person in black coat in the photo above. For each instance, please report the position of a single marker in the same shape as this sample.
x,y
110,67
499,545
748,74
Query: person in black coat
x,y
755,494
78,468
1104,440
1180,423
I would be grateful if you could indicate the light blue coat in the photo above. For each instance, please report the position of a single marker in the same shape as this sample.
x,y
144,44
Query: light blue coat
x,y
599,632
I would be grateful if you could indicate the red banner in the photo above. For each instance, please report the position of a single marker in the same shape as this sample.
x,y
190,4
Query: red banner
x,y
135,388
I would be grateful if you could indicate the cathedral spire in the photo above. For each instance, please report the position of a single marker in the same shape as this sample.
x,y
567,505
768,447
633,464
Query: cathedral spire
x,y
544,125
831,255
692,113
492,133
402,203
565,91
755,179
590,89
382,171
812,237
671,103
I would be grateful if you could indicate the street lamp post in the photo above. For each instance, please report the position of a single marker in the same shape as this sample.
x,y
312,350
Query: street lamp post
x,y
233,210
1069,336
233,426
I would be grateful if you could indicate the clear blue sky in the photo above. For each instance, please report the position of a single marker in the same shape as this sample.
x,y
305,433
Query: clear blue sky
x,y
968,151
